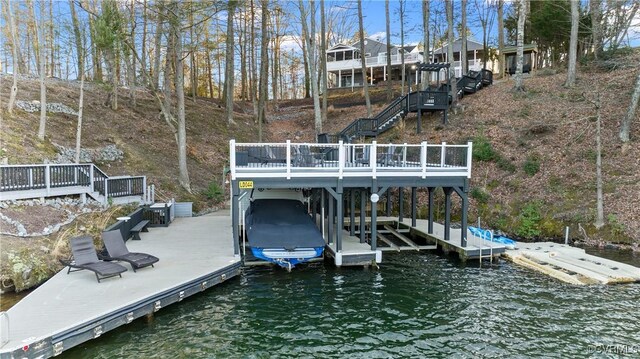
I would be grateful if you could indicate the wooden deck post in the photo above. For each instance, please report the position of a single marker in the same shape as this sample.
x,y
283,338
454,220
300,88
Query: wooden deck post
x,y
352,212
340,215
447,213
330,217
400,204
363,213
235,216
430,191
463,219
414,206
388,205
374,218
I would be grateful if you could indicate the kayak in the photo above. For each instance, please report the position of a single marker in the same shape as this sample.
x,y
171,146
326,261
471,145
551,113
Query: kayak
x,y
486,235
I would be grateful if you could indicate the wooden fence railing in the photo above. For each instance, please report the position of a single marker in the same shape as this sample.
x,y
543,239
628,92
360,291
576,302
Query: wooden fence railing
x,y
77,178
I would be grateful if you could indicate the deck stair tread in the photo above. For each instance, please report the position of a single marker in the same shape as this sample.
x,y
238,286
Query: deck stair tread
x,y
391,246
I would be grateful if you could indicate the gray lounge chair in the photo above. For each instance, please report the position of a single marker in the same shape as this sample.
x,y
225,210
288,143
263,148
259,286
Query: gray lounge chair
x,y
117,250
85,257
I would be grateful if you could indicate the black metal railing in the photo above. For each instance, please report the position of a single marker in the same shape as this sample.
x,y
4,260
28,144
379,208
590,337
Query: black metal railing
x,y
125,186
99,180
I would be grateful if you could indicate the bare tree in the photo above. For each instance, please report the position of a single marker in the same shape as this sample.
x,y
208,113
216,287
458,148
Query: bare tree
x,y
522,13
365,85
264,69
14,50
573,43
80,111
595,8
228,73
176,32
450,39
425,38
463,36
323,62
158,44
310,62
599,196
633,106
388,27
43,89
78,38
401,11
501,64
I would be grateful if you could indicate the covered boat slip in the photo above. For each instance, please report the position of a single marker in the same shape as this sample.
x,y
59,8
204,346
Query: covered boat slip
x,y
195,254
348,178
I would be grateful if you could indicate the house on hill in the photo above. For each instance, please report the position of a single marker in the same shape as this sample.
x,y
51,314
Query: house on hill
x,y
344,68
529,61
475,53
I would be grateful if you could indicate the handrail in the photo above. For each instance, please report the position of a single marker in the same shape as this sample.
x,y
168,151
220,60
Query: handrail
x,y
47,177
295,160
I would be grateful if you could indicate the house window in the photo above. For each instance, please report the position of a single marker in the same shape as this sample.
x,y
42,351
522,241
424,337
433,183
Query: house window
x,y
348,55
339,56
346,80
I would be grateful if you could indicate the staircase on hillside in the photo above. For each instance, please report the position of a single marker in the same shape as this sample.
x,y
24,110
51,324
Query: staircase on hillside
x,y
429,100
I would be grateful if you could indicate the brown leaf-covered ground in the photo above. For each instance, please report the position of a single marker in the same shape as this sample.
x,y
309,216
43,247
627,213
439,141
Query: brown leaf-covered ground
x,y
550,123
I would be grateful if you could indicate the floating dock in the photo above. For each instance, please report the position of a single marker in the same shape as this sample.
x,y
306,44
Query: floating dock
x,y
570,264
195,254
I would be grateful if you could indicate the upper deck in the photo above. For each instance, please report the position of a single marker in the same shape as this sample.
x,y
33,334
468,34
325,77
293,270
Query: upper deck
x,y
345,160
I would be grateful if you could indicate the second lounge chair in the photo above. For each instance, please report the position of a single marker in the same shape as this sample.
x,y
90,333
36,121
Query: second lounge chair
x,y
85,257
117,250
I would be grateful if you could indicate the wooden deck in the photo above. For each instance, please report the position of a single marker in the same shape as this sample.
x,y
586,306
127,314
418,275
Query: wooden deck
x,y
476,248
571,265
353,252
195,254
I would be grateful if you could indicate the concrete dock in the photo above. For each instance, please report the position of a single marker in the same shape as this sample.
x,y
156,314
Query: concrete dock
x,y
195,254
570,264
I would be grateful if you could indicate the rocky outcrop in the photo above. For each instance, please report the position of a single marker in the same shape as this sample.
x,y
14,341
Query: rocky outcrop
x,y
55,107
107,153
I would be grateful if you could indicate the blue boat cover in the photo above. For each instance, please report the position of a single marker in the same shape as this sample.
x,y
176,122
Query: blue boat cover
x,y
281,223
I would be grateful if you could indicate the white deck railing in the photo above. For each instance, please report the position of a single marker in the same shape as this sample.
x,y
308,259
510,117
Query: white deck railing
x,y
380,60
303,160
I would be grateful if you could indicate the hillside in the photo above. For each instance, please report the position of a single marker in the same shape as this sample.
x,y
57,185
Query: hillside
x,y
534,163
139,131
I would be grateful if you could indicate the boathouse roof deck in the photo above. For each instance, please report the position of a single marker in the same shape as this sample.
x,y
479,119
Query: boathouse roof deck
x,y
299,160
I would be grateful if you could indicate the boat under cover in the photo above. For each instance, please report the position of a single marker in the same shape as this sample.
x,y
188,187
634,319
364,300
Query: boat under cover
x,y
282,232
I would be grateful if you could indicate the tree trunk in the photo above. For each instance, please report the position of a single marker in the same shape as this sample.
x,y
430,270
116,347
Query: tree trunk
x,y
501,58
600,199
209,73
14,50
43,89
404,70
95,52
78,37
242,44
37,35
313,69
425,40
388,28
176,33
192,56
595,7
305,59
522,13
631,113
323,63
573,43
450,40
52,48
464,65
264,69
365,85
228,73
143,50
158,44
80,110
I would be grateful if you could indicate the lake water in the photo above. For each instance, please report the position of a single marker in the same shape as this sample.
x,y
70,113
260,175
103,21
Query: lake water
x,y
414,305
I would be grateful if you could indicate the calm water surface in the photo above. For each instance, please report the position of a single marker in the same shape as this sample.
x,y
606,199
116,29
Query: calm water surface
x,y
414,305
